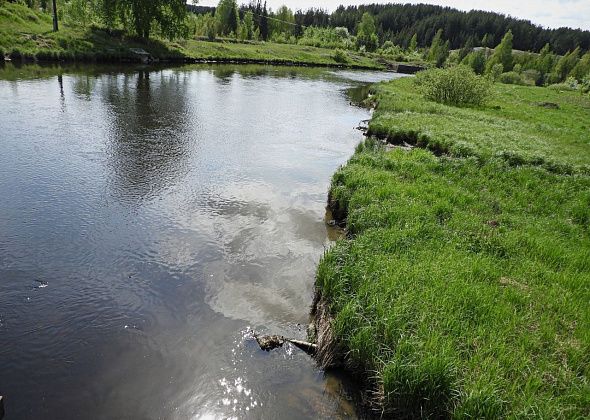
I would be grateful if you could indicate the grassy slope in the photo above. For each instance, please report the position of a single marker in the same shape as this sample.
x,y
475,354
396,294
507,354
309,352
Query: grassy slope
x,y
463,289
30,33
512,125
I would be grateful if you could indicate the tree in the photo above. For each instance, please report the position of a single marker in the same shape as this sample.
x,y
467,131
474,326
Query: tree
x,y
502,54
227,16
582,69
141,16
545,61
248,24
54,9
487,41
264,23
439,50
476,60
413,47
566,64
367,33
285,20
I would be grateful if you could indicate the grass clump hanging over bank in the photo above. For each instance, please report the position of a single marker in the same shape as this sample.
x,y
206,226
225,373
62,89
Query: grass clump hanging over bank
x,y
462,288
521,124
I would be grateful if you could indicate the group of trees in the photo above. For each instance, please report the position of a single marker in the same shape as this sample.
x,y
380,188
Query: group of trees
x,y
546,67
401,31
142,17
399,22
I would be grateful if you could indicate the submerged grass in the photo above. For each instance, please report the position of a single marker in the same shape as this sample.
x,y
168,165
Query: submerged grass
x,y
462,290
27,34
517,124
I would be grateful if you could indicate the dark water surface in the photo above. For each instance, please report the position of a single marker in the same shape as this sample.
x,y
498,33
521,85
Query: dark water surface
x,y
148,219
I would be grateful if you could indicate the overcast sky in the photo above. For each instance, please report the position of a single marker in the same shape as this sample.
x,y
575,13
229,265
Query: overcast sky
x,y
548,13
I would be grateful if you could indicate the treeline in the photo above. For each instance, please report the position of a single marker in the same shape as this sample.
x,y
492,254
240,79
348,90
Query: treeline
x,y
166,18
399,22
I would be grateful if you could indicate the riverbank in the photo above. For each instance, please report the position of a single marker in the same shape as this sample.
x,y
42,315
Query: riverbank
x,y
26,35
462,287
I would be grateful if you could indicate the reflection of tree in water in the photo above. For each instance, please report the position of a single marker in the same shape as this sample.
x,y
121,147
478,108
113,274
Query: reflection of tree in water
x,y
149,132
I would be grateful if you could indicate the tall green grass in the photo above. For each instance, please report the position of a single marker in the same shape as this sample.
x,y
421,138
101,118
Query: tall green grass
x,y
463,287
513,125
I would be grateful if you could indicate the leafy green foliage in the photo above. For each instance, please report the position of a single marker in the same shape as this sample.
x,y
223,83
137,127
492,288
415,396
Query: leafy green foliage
x,y
327,38
340,56
457,85
366,35
227,17
476,60
566,64
582,68
511,78
502,54
439,50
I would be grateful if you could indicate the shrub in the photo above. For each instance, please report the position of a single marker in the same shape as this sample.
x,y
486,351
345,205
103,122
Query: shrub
x,y
496,71
570,84
457,85
533,77
511,78
340,56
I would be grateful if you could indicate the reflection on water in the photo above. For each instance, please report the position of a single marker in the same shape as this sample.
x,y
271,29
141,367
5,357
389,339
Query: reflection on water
x,y
150,218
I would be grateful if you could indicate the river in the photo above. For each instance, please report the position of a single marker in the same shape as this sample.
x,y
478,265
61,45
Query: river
x,y
149,218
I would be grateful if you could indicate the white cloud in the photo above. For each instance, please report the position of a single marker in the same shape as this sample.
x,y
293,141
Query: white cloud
x,y
548,13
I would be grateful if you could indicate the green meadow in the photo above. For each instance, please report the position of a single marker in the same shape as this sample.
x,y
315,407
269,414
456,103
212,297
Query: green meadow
x,y
463,287
522,124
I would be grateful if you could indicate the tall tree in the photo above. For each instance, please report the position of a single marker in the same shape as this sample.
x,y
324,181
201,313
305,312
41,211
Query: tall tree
x,y
582,69
248,24
264,23
367,33
502,54
413,47
439,49
567,63
142,16
54,9
227,16
285,20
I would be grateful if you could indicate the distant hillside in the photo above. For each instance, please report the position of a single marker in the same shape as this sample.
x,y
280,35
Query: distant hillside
x,y
398,22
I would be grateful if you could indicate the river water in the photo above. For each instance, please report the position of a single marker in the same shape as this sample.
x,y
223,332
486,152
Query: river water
x,y
149,217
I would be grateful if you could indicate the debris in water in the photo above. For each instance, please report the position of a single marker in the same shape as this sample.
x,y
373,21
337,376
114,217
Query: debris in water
x,y
271,342
42,284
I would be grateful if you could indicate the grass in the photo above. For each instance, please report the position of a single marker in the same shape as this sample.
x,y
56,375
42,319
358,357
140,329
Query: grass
x,y
27,34
462,289
513,125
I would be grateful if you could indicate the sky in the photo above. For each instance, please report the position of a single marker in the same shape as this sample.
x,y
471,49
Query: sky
x,y
548,13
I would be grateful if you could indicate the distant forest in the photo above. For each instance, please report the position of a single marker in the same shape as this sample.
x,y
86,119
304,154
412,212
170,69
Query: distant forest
x,y
399,22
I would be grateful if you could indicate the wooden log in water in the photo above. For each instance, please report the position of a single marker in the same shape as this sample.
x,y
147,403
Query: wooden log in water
x,y
271,342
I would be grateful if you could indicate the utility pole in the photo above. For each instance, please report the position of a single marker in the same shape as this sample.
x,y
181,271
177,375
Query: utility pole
x,y
55,26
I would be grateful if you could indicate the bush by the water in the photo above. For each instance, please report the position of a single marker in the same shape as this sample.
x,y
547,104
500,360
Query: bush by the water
x,y
457,85
340,56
